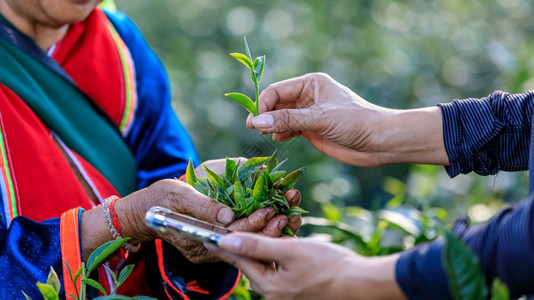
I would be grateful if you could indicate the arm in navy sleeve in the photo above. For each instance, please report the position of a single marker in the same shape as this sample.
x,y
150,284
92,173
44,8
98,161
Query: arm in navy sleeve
x,y
504,245
489,134
161,145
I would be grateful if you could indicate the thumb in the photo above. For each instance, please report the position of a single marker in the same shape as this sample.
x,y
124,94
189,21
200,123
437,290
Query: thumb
x,y
255,246
285,120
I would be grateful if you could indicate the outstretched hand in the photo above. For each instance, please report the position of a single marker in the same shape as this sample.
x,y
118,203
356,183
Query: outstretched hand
x,y
345,126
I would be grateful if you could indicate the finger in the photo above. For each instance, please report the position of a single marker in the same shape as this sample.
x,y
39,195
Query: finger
x,y
186,199
255,270
257,247
293,197
282,137
286,120
249,121
283,92
294,223
255,222
275,227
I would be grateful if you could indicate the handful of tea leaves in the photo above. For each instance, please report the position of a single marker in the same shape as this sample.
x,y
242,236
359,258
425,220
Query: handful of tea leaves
x,y
256,184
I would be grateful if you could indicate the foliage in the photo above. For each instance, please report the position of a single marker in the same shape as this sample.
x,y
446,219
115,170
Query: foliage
x,y
256,74
256,184
50,290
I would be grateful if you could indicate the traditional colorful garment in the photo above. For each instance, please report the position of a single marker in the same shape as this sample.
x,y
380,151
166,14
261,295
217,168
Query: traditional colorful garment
x,y
101,124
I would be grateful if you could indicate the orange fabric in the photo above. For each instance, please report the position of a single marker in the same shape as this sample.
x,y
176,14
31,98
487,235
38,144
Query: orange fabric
x,y
231,291
70,249
161,265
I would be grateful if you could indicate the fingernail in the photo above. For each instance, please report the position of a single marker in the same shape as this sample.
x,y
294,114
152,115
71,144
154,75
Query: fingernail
x,y
270,215
230,243
225,215
264,121
248,118
294,219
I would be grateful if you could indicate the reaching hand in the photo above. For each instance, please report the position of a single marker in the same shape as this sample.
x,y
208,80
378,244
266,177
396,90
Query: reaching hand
x,y
309,269
346,127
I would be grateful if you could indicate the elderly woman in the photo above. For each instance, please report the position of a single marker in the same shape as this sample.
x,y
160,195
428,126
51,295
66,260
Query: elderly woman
x,y
85,115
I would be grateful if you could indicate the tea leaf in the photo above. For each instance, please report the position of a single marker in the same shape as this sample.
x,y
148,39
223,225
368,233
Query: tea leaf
x,y
499,291
112,273
214,177
259,189
282,200
244,100
94,284
230,169
239,195
278,165
259,63
77,274
291,179
273,161
243,59
287,231
190,176
463,270
252,165
26,296
103,252
247,50
276,176
268,181
48,291
293,211
53,280
125,272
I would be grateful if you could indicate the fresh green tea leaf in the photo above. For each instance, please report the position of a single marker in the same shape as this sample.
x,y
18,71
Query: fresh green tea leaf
x,y
247,50
259,63
94,284
291,179
293,211
273,161
244,100
190,176
276,176
53,280
229,171
48,291
252,165
26,295
499,291
463,270
282,200
103,252
243,59
278,166
259,189
112,273
239,195
268,181
125,272
214,177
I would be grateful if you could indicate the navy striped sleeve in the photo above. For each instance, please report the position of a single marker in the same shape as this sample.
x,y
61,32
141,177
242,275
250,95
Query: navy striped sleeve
x,y
504,245
489,134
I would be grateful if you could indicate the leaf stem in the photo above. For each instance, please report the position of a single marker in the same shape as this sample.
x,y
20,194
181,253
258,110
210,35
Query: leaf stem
x,y
257,88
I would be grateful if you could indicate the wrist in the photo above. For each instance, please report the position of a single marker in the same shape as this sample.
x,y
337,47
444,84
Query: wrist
x,y
369,278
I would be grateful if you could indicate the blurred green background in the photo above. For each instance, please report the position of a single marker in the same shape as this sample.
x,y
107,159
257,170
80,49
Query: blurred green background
x,y
398,54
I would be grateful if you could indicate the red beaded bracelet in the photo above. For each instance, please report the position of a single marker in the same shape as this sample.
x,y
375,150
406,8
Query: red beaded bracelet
x,y
113,224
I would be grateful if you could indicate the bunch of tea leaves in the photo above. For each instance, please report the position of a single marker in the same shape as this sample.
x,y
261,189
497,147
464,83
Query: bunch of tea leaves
x,y
256,74
256,184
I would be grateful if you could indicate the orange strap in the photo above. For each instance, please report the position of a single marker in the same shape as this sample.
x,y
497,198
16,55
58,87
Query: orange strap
x,y
70,249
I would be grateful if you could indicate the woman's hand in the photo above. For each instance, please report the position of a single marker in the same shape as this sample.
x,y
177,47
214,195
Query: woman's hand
x,y
309,269
346,127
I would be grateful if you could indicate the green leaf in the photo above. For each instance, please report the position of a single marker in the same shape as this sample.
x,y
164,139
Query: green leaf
x,y
102,253
282,201
214,177
26,296
268,181
244,100
252,165
77,274
239,195
48,291
259,189
125,272
247,50
53,280
276,176
259,63
288,232
190,176
273,161
499,291
94,284
229,170
73,297
463,270
291,179
243,59
112,273
293,211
